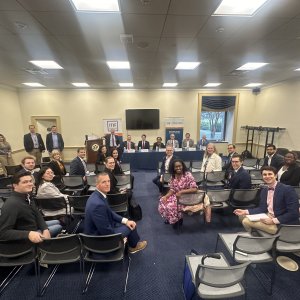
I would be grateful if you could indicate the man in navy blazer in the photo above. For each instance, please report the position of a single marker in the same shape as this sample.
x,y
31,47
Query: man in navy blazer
x,y
101,220
78,164
143,144
54,140
239,178
277,200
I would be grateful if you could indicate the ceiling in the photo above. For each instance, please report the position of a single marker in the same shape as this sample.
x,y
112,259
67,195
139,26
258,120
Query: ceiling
x,y
164,32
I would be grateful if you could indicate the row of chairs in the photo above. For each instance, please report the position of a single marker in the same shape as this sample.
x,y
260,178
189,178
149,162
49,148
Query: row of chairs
x,y
213,276
63,249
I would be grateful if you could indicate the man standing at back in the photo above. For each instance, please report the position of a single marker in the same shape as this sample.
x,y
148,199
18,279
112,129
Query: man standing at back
x,y
34,144
101,220
54,140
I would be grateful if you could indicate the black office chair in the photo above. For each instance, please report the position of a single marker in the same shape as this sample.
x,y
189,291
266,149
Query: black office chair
x,y
101,249
16,254
52,205
6,182
244,198
118,203
73,184
124,181
56,251
12,170
78,204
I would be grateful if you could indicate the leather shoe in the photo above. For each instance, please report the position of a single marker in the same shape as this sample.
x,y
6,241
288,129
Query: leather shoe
x,y
139,246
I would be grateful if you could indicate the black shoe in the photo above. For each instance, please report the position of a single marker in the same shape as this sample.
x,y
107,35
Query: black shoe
x,y
178,224
167,222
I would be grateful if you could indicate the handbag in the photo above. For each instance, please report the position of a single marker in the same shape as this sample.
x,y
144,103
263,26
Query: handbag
x,y
135,211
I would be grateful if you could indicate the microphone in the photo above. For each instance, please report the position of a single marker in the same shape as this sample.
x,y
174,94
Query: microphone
x,y
212,255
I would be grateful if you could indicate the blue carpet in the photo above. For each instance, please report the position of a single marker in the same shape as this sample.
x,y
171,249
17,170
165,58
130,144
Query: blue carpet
x,y
155,273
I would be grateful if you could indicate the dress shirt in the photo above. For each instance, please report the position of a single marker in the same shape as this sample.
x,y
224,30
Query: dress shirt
x,y
167,163
112,140
35,141
55,141
269,159
128,145
84,164
270,199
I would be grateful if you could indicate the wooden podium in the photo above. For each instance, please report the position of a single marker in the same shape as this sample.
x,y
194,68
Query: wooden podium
x,y
92,148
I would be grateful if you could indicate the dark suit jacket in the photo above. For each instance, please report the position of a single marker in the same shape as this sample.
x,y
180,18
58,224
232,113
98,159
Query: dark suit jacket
x,y
240,180
49,142
77,167
291,176
162,145
132,145
285,204
147,145
28,142
107,140
57,180
99,218
118,169
162,169
113,182
101,158
277,161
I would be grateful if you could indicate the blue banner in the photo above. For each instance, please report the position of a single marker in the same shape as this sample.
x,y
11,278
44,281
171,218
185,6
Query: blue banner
x,y
178,134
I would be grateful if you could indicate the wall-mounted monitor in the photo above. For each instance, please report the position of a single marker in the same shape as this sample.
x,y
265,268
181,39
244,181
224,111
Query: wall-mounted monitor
x,y
142,119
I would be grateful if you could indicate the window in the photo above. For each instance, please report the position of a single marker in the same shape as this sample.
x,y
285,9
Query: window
x,y
213,125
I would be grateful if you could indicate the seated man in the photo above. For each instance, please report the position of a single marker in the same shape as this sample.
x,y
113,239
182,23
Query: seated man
x,y
202,143
128,144
273,159
277,200
238,178
78,164
172,142
28,165
143,144
228,166
101,220
188,142
20,219
158,144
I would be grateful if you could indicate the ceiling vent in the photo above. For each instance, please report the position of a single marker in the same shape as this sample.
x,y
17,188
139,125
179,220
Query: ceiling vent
x,y
36,71
126,39
237,72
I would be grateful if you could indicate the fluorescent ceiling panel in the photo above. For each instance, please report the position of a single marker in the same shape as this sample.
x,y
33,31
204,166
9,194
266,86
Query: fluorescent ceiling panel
x,y
170,84
80,84
118,64
251,66
187,65
254,84
33,84
244,8
297,69
212,84
126,84
96,5
46,64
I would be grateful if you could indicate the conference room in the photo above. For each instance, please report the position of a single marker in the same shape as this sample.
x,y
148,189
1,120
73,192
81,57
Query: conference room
x,y
218,94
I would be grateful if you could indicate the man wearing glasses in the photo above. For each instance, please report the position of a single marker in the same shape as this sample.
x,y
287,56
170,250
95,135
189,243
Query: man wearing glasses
x,y
238,177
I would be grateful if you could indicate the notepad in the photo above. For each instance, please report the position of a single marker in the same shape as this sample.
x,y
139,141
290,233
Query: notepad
x,y
257,217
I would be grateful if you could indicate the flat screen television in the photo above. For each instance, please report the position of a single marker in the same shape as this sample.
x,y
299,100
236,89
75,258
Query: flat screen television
x,y
142,119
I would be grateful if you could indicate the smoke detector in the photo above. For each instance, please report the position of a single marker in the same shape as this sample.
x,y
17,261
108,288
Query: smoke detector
x,y
126,39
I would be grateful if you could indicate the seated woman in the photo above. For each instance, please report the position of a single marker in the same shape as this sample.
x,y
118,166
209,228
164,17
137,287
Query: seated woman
x,y
102,154
58,168
289,173
46,189
182,182
211,160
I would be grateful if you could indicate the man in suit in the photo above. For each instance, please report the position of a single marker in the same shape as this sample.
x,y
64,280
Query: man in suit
x,y
166,163
188,142
34,144
78,164
239,178
143,144
277,200
101,220
158,144
228,166
202,143
172,142
273,159
112,140
28,165
54,140
128,144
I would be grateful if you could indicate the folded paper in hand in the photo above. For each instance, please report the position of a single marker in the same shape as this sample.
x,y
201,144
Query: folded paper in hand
x,y
257,217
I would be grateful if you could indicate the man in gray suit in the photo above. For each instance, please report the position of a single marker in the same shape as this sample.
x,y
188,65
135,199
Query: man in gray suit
x,y
172,142
188,142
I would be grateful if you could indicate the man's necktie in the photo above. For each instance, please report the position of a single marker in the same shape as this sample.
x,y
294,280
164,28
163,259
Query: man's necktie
x,y
113,140
143,145
128,146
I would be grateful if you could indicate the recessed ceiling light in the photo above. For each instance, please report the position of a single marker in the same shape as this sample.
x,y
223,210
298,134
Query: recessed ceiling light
x,y
254,84
251,66
80,84
187,65
118,64
297,69
212,84
33,84
96,5
170,84
46,64
125,84
244,8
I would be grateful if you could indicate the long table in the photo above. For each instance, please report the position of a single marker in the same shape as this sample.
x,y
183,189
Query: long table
x,y
149,160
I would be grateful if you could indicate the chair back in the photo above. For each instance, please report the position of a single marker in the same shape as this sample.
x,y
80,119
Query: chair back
x,y
73,181
289,233
198,176
123,181
78,203
220,276
61,249
244,198
11,170
250,162
191,199
118,201
215,176
255,174
126,167
187,163
91,180
196,164
166,177
99,168
218,196
51,203
6,182
46,159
